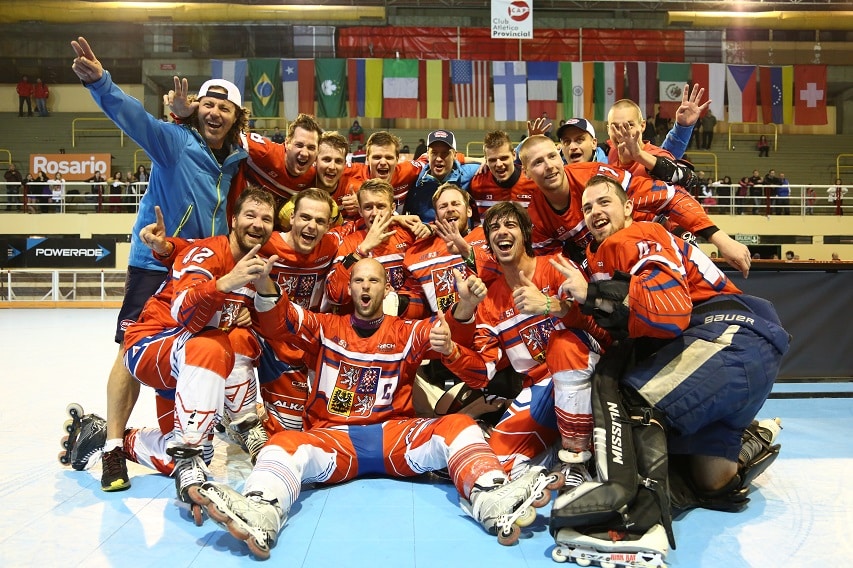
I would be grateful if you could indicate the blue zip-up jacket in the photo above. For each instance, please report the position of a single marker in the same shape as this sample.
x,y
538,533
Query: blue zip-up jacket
x,y
419,198
186,181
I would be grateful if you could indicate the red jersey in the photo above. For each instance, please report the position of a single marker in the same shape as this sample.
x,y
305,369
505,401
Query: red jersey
x,y
356,380
405,175
551,229
669,277
266,167
486,191
390,254
500,330
302,276
189,298
430,266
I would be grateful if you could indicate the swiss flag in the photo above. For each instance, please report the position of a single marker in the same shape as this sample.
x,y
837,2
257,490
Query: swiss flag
x,y
810,94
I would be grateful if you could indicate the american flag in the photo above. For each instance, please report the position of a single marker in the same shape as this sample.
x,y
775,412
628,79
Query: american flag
x,y
470,81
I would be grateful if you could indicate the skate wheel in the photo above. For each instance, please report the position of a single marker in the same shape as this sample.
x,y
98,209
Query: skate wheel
x,y
260,550
509,536
68,426
542,498
608,564
65,443
557,555
528,516
63,458
582,560
74,409
198,518
557,481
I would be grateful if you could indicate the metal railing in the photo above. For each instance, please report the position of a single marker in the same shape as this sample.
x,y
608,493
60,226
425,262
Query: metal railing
x,y
80,126
61,285
78,197
753,130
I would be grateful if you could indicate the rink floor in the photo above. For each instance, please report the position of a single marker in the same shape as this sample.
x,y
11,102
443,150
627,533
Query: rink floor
x,y
799,515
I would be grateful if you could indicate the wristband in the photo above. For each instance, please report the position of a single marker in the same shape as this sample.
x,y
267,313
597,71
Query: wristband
x,y
471,261
454,354
359,252
547,311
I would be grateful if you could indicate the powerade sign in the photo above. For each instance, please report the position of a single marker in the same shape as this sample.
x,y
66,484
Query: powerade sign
x,y
58,253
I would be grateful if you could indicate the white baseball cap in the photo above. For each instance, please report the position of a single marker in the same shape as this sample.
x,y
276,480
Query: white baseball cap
x,y
232,93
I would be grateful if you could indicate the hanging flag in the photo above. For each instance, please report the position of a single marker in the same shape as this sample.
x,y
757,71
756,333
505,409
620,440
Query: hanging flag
x,y
672,78
433,88
712,78
365,87
542,88
741,90
264,75
510,84
470,88
775,99
609,81
297,82
331,91
233,70
642,85
577,89
400,88
810,94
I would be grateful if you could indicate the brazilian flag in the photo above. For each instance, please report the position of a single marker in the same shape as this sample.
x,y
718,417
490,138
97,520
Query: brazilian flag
x,y
265,75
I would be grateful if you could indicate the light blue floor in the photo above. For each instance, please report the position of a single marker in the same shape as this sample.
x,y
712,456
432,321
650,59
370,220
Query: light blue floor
x,y
799,515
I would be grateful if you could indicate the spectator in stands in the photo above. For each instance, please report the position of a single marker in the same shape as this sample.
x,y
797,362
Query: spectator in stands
x,y
756,192
96,191
117,187
28,187
13,187
25,91
129,191
789,255
741,203
836,257
40,94
277,136
648,134
782,204
696,136
763,147
723,190
810,198
356,132
41,192
709,122
835,194
140,179
771,184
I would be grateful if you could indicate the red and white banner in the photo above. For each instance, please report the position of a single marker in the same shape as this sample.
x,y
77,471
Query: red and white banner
x,y
73,167
810,94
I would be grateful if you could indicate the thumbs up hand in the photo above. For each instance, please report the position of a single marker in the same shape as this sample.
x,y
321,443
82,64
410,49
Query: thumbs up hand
x,y
528,298
439,336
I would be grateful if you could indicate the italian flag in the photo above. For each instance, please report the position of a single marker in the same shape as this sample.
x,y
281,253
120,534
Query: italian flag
x,y
400,88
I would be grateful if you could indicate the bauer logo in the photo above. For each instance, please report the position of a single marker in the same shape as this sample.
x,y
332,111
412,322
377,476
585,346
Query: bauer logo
x,y
72,167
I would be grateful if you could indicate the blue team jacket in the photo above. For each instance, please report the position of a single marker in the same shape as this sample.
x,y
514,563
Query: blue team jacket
x,y
186,181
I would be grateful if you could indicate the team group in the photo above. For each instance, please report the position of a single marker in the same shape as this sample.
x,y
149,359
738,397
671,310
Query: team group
x,y
349,295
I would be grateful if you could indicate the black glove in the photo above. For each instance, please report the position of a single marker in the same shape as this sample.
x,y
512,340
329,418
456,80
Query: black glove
x,y
614,290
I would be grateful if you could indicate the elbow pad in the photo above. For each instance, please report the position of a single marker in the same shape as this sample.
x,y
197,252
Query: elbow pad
x,y
670,171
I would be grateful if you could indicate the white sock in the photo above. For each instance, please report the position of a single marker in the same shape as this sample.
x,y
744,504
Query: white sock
x,y
113,443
